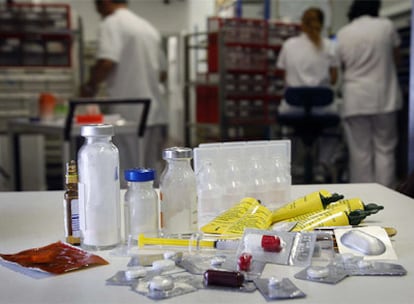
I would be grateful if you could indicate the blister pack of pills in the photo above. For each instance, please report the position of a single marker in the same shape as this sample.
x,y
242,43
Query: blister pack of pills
x,y
134,272
358,266
168,286
278,289
278,247
330,274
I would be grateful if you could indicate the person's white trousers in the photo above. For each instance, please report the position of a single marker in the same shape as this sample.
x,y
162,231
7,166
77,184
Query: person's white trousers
x,y
372,142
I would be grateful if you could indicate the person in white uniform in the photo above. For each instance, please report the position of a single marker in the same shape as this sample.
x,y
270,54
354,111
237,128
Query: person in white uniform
x,y
368,48
130,61
309,60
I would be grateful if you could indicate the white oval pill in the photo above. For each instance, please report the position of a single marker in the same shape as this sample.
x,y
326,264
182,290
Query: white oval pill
x,y
135,272
317,272
163,265
161,283
274,282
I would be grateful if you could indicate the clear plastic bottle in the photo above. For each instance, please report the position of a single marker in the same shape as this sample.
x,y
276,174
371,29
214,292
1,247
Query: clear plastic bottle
x,y
141,204
234,187
178,193
278,184
99,189
255,180
209,194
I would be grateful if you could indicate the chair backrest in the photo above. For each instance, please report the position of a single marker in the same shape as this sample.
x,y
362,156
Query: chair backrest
x,y
309,97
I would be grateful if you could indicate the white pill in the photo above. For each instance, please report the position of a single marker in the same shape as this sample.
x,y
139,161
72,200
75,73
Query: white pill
x,y
274,282
170,255
135,272
217,261
163,265
363,264
161,283
317,272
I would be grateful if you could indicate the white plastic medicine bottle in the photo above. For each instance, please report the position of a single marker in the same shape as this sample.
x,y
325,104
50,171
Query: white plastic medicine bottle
x,y
99,189
178,193
141,204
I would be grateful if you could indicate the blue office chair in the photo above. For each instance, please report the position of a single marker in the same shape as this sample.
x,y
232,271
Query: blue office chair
x,y
308,124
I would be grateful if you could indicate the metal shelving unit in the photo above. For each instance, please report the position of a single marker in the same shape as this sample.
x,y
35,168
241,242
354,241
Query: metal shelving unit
x,y
39,48
233,88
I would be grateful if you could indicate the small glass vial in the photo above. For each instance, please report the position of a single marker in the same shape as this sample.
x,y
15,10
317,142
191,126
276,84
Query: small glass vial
x,y
178,193
99,189
71,204
141,204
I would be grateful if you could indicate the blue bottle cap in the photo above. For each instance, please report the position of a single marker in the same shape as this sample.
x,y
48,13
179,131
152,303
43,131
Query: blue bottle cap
x,y
139,175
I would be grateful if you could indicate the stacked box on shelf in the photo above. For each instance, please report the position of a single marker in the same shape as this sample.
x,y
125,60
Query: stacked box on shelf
x,y
251,86
35,35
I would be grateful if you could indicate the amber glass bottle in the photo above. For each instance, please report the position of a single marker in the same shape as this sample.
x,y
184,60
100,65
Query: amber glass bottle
x,y
71,204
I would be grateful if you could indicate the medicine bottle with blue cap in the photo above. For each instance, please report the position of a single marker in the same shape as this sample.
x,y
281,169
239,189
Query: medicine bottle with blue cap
x,y
140,204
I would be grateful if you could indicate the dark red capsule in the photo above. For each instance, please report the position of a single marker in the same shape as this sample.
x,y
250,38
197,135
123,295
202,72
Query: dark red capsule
x,y
223,278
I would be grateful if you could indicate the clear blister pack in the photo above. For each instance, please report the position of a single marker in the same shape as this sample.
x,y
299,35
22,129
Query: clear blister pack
x,y
168,286
136,272
278,247
329,274
358,266
278,289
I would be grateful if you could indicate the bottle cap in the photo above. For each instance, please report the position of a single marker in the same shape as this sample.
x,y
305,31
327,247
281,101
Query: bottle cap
x,y
139,175
326,200
97,130
177,152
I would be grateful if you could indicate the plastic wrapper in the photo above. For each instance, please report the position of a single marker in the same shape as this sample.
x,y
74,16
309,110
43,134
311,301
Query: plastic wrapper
x,y
56,258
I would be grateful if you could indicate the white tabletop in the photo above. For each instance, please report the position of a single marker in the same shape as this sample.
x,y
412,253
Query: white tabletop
x,y
34,219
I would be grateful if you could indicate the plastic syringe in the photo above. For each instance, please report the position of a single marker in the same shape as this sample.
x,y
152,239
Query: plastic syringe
x,y
221,244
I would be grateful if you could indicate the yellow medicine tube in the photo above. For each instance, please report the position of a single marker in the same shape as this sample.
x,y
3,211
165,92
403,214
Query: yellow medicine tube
x,y
314,201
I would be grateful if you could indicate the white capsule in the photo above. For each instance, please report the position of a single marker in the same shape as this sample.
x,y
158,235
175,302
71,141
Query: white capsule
x,y
135,272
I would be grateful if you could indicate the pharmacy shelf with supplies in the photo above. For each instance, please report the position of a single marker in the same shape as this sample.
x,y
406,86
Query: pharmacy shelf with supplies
x,y
237,88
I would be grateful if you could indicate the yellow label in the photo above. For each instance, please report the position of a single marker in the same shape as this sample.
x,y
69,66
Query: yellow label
x,y
326,218
259,218
248,209
309,203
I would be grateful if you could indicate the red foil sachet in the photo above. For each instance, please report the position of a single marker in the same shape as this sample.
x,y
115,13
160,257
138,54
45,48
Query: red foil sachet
x,y
56,258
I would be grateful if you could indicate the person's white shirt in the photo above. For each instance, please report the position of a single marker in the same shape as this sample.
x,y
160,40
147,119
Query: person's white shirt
x,y
134,45
365,46
304,64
